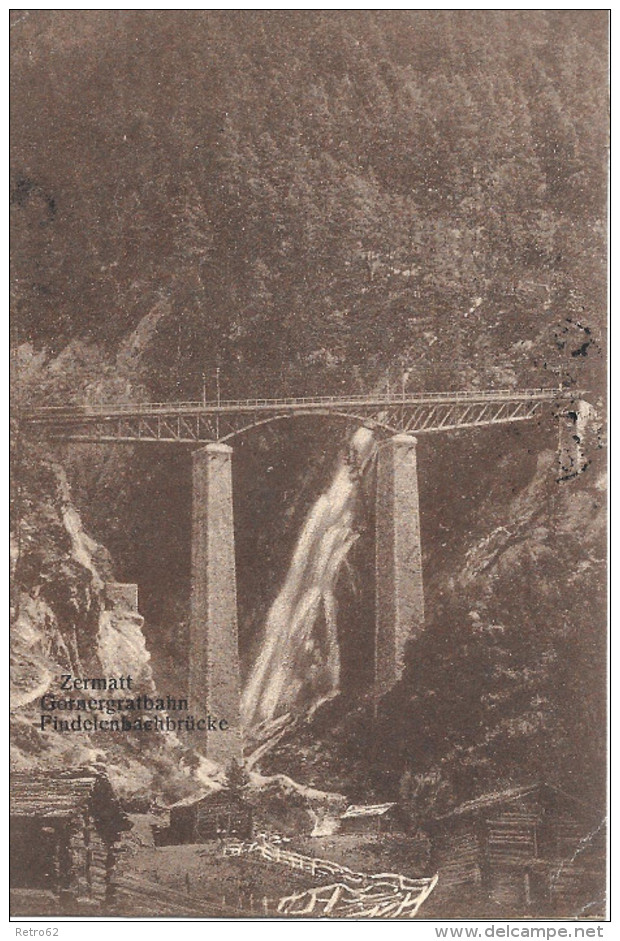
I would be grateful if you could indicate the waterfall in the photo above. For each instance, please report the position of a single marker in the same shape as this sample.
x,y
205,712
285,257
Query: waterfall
x,y
298,665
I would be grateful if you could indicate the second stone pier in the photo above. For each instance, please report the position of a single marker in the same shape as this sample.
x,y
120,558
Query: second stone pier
x,y
214,678
399,593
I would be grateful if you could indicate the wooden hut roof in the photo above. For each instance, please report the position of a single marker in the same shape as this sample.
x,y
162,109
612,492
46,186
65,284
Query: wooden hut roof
x,y
214,798
56,794
486,801
190,800
366,810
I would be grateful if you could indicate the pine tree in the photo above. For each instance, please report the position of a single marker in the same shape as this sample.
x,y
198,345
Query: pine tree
x,y
237,778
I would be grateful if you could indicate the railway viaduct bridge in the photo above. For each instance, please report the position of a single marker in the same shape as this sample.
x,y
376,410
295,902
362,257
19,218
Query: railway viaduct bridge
x,y
214,678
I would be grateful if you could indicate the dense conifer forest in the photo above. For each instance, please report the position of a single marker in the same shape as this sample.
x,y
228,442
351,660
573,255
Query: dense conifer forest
x,y
309,198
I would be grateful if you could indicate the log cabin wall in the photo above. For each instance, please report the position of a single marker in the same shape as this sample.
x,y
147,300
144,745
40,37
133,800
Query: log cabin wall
x,y
65,826
209,819
88,853
528,852
510,837
182,824
458,857
225,819
578,879
573,886
558,835
99,872
510,890
369,825
76,880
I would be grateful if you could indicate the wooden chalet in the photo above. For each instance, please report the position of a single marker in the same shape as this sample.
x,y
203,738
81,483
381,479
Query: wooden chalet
x,y
64,830
528,850
213,816
371,818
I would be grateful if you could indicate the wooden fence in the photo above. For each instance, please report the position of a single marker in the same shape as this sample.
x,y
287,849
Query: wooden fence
x,y
352,894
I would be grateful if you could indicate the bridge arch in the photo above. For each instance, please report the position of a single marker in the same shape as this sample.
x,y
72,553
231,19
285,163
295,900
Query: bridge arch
x,y
373,424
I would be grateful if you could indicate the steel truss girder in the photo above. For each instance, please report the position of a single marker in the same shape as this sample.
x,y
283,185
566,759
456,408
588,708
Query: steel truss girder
x,y
202,427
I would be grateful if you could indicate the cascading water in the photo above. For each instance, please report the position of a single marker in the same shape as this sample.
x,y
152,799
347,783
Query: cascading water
x,y
298,665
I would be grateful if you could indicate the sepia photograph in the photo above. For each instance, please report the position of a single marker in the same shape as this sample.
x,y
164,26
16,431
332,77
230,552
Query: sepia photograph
x,y
308,464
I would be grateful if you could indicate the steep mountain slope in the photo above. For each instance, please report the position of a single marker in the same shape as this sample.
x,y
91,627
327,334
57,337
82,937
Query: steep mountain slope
x,y
315,197
506,684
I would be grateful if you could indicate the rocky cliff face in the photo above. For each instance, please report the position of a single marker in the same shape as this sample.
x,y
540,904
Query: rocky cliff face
x,y
61,624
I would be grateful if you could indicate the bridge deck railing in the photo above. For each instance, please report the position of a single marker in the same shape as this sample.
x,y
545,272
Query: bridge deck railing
x,y
382,398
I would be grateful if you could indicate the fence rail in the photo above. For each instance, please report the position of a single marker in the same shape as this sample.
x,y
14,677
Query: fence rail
x,y
350,894
316,866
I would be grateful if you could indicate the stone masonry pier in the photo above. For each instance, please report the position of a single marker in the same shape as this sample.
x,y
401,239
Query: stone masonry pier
x,y
398,583
214,679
